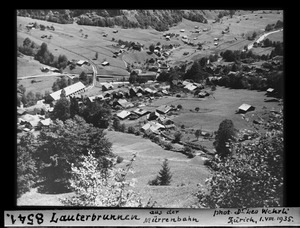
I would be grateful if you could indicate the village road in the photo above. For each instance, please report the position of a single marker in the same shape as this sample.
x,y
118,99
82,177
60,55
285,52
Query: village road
x,y
262,37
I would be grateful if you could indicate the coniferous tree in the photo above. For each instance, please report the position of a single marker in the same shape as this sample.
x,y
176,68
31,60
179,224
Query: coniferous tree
x,y
164,175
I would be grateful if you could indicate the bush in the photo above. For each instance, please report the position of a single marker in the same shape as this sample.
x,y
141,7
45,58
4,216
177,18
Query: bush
x,y
131,130
179,106
119,159
122,128
153,182
156,139
116,124
92,187
189,152
168,146
177,137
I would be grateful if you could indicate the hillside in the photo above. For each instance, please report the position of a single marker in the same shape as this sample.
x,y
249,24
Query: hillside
x,y
160,20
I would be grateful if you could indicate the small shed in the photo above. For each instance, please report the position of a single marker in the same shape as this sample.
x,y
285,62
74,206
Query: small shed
x,y
105,63
81,62
270,91
245,108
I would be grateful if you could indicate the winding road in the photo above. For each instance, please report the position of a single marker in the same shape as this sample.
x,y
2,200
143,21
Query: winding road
x,y
262,37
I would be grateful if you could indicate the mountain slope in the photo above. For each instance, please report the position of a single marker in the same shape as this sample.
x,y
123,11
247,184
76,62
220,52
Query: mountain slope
x,y
160,20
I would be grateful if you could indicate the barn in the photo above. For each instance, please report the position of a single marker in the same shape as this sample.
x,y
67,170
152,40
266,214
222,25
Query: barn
x,y
245,108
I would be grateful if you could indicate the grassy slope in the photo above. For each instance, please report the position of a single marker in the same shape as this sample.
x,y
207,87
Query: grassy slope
x,y
148,162
187,172
68,37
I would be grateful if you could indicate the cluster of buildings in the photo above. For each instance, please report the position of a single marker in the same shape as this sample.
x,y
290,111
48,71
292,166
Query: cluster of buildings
x,y
33,117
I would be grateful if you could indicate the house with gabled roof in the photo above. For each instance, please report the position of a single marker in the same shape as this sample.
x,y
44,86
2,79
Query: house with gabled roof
x,y
106,86
164,109
123,103
140,111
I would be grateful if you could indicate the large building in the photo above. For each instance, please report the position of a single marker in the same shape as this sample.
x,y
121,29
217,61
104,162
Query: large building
x,y
74,89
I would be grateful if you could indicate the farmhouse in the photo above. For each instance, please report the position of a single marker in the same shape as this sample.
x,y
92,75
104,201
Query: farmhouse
x,y
152,127
165,120
74,89
30,121
190,86
245,108
140,111
149,91
106,86
93,98
47,69
81,62
164,109
123,114
123,103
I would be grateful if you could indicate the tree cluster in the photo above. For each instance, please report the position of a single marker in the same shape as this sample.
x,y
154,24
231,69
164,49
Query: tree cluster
x,y
270,27
28,98
61,83
252,176
58,16
42,54
48,159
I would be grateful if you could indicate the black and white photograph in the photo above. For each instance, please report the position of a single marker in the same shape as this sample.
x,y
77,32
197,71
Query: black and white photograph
x,y
150,108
